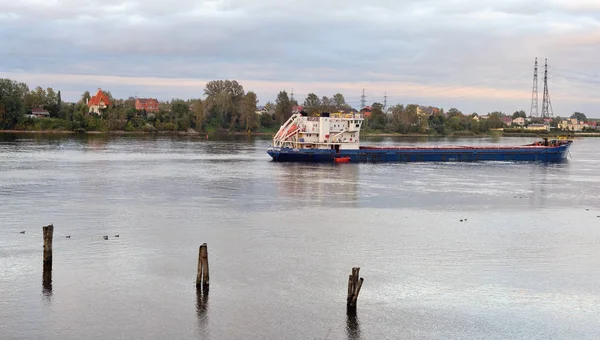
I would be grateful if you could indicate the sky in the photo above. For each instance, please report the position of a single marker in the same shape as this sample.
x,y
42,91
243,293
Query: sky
x,y
474,55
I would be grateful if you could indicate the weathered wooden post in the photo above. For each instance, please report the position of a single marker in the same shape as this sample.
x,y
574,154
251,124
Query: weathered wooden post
x,y
48,233
202,277
354,285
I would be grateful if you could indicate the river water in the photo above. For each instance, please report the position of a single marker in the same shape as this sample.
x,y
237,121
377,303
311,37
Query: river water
x,y
282,239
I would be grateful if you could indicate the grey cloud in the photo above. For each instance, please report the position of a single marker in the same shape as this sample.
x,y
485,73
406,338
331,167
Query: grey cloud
x,y
434,42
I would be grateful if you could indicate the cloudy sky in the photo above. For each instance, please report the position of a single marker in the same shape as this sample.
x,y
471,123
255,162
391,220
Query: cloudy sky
x,y
476,55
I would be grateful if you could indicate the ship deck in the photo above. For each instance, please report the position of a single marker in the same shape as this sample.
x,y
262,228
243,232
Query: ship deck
x,y
453,147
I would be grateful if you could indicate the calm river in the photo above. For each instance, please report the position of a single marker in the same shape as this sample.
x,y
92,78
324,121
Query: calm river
x,y
282,238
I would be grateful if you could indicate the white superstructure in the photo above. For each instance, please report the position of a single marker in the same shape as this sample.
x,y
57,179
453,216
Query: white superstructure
x,y
339,131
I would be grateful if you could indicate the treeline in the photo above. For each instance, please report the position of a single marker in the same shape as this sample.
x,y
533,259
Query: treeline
x,y
226,107
411,119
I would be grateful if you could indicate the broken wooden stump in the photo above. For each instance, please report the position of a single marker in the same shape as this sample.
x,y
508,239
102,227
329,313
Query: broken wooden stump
x,y
202,277
48,233
354,285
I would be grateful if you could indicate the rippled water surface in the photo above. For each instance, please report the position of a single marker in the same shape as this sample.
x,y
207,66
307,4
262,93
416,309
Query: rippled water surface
x,y
282,239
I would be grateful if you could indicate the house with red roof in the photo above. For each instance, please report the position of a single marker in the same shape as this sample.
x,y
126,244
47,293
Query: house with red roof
x,y
99,102
366,111
148,104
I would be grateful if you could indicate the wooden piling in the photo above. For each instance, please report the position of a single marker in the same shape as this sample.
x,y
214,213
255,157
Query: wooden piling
x,y
354,286
48,232
202,277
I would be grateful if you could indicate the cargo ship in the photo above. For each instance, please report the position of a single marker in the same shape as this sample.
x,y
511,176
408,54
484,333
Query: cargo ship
x,y
335,138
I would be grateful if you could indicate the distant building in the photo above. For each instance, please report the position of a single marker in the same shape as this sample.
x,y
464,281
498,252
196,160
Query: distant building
x,y
507,120
262,110
148,104
519,121
538,127
98,103
366,111
572,124
38,112
428,110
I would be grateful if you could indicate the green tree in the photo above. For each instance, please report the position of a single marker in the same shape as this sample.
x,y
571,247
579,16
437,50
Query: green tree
x,y
223,102
249,116
85,97
283,107
199,113
179,108
36,98
454,113
270,107
267,120
580,116
518,114
494,120
437,122
52,103
475,126
12,105
377,120
339,102
454,123
327,104
312,104
51,97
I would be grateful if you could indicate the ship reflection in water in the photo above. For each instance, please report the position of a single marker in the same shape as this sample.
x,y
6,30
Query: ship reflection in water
x,y
325,183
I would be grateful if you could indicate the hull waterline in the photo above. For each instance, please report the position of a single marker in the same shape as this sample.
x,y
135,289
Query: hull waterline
x,y
449,154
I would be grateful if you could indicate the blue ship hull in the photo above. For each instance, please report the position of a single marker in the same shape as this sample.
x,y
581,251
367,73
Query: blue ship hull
x,y
441,154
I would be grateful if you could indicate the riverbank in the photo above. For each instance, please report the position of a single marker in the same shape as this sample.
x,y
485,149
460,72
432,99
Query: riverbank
x,y
183,133
241,133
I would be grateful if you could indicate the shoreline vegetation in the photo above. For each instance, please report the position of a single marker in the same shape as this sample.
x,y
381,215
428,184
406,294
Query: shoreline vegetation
x,y
534,134
228,109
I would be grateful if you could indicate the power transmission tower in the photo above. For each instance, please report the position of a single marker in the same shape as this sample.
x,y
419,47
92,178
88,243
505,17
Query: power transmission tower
x,y
384,100
533,112
362,100
546,106
292,95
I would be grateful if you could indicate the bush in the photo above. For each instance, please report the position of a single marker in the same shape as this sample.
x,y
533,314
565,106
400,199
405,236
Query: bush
x,y
463,133
148,128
